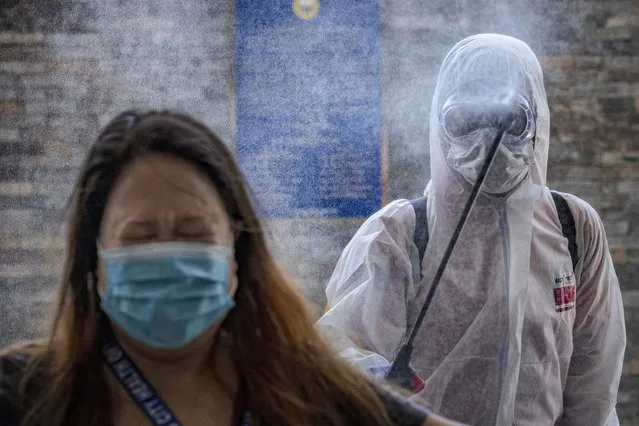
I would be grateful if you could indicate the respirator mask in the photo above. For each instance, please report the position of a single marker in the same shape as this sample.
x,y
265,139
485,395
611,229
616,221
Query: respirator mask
x,y
469,121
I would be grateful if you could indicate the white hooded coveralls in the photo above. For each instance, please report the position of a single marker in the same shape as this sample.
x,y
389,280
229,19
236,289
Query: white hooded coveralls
x,y
504,341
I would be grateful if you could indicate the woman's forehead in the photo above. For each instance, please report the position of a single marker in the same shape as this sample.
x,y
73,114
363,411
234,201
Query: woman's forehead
x,y
163,182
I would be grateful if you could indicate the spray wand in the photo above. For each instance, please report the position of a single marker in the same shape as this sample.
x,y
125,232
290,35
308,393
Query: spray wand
x,y
401,373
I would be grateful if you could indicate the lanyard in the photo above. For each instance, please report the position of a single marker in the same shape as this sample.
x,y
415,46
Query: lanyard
x,y
141,391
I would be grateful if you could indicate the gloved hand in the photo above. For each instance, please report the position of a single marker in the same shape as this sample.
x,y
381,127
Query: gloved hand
x,y
414,385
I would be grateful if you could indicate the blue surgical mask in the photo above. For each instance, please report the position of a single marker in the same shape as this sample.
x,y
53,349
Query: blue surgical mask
x,y
166,294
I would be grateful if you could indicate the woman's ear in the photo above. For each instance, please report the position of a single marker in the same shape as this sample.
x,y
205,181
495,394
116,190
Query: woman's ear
x,y
237,227
233,280
99,276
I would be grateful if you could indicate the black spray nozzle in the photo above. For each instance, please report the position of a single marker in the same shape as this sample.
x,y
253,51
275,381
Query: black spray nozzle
x,y
401,373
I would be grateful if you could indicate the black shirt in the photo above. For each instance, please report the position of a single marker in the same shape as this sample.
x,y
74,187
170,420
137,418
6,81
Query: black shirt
x,y
401,411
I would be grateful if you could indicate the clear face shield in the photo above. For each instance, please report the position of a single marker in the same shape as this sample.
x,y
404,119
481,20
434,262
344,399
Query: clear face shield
x,y
469,121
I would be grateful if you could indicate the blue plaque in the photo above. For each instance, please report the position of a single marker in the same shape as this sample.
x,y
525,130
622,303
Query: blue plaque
x,y
308,105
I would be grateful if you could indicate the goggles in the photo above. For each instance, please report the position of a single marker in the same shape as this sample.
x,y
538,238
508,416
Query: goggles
x,y
458,119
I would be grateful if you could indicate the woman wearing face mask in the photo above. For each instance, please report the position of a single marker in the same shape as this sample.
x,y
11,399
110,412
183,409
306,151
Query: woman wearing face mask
x,y
171,310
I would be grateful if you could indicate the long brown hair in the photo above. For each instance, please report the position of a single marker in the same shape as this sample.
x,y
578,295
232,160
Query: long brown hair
x,y
292,375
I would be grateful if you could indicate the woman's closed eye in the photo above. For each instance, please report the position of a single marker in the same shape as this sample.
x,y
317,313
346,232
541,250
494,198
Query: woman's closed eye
x,y
196,229
136,232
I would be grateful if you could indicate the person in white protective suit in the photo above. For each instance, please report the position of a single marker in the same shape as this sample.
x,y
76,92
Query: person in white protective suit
x,y
514,334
